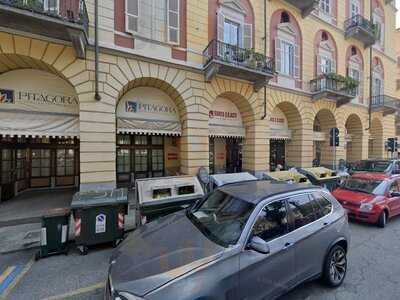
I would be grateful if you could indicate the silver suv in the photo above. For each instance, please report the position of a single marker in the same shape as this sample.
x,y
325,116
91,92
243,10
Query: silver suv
x,y
250,240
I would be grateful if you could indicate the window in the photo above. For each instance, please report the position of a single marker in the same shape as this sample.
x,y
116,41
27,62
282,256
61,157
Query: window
x,y
325,6
355,74
285,17
123,161
40,162
154,19
394,188
272,222
325,206
21,164
354,8
51,6
303,210
231,33
377,88
287,58
326,65
221,217
141,156
65,162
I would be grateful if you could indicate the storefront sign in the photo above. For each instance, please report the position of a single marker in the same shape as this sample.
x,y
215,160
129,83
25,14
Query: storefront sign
x,y
278,124
37,103
147,110
225,119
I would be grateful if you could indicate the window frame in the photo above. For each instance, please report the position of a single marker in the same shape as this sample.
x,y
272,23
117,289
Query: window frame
x,y
168,27
291,58
325,7
127,15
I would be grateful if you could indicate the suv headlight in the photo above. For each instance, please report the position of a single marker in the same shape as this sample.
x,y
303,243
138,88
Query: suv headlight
x,y
127,296
366,206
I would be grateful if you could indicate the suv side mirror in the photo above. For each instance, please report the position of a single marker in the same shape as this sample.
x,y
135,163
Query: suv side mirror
x,y
258,244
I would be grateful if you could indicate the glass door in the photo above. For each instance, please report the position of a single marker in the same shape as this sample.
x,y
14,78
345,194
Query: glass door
x,y
7,174
65,167
211,156
40,167
277,155
21,172
233,156
141,159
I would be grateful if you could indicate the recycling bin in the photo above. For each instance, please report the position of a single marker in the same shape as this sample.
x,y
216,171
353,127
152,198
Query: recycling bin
x,y
99,217
322,176
218,180
160,196
54,233
290,176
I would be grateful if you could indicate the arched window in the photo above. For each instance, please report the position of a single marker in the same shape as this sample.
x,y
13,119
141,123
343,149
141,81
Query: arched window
x,y
355,70
326,53
377,77
378,18
286,46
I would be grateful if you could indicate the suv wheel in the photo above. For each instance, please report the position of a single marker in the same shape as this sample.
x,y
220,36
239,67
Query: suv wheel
x,y
335,267
382,220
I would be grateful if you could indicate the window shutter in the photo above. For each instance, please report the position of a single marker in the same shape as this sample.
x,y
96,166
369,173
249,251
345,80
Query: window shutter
x,y
247,36
173,21
132,15
278,55
333,66
296,61
318,66
220,29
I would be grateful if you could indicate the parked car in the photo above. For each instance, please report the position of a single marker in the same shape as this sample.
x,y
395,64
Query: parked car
x,y
390,167
247,240
370,197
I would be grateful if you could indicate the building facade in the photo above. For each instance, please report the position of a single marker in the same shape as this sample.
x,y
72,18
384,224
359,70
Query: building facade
x,y
228,85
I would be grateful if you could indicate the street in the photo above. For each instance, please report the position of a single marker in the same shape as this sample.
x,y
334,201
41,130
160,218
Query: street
x,y
374,271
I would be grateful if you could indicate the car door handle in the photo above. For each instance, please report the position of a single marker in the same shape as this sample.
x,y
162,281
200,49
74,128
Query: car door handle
x,y
287,245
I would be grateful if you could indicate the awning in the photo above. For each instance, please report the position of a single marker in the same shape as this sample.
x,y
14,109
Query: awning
x,y
225,120
280,134
37,103
23,123
147,110
135,126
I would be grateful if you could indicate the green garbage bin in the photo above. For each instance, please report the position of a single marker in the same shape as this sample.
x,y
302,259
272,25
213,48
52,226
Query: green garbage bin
x,y
54,233
99,217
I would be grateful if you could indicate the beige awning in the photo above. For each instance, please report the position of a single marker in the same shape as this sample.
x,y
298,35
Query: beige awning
x,y
147,110
225,120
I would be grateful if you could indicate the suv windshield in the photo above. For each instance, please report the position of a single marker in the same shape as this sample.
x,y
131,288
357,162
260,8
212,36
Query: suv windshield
x,y
372,165
376,187
221,217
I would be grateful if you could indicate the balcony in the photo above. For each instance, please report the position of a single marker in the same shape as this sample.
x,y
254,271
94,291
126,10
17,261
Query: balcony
x,y
334,87
228,60
385,104
65,20
361,29
306,6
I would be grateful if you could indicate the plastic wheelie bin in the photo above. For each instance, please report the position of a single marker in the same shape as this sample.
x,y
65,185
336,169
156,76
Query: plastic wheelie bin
x,y
99,217
54,233
291,176
321,176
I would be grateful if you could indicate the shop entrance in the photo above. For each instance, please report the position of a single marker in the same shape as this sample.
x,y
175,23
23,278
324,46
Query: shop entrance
x,y
28,163
225,155
277,154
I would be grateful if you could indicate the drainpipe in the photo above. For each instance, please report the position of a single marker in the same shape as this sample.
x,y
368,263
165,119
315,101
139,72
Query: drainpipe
x,y
370,74
96,55
265,53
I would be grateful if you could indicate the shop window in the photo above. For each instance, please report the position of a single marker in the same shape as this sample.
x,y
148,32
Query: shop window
x,y
157,140
21,164
123,139
123,161
7,165
40,140
154,19
141,156
41,162
157,157
65,162
141,140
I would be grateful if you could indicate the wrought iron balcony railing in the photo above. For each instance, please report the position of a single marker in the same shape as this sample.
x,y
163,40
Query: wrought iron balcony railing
x,y
229,60
362,29
68,10
247,58
332,87
386,104
60,19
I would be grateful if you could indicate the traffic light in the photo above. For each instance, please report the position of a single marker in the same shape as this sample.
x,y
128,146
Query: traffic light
x,y
334,137
390,144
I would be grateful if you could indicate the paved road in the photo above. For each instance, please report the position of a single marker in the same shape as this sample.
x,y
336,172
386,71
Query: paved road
x,y
374,271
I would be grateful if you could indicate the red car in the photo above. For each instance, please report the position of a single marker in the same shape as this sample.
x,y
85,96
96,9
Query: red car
x,y
370,197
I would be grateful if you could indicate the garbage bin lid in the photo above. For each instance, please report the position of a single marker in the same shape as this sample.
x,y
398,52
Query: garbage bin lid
x,y
56,212
99,198
222,179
